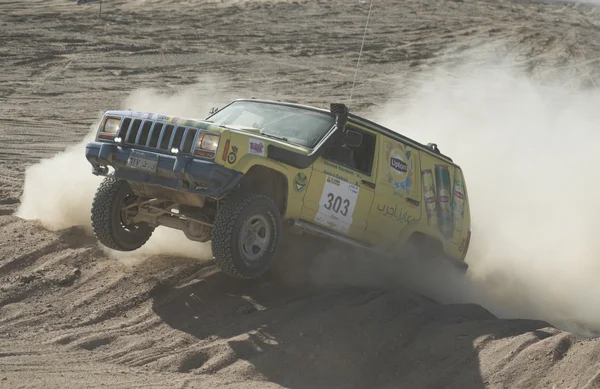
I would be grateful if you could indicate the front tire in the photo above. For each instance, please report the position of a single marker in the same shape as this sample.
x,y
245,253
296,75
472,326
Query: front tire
x,y
108,221
246,235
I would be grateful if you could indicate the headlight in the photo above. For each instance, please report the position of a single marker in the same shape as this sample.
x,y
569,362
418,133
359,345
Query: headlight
x,y
206,146
110,128
209,142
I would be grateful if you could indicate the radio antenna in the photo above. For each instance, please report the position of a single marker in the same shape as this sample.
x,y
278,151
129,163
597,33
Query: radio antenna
x,y
361,49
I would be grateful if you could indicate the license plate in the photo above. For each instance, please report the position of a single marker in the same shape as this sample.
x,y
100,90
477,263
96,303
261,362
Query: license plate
x,y
142,163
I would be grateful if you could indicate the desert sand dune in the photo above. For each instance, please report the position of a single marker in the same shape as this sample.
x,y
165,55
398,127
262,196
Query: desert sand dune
x,y
74,315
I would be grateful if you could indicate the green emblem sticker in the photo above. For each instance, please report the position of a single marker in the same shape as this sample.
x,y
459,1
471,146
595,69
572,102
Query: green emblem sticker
x,y
300,181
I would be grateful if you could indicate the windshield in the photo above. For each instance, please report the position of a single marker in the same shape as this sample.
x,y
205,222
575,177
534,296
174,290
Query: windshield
x,y
293,124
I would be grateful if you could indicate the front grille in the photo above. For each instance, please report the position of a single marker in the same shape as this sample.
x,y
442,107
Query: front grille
x,y
151,134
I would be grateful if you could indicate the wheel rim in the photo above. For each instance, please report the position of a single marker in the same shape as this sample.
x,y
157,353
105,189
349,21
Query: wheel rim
x,y
126,213
255,237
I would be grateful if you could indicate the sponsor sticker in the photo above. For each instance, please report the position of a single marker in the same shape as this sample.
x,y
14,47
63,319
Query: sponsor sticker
x,y
443,196
300,181
398,165
232,157
400,168
333,180
256,147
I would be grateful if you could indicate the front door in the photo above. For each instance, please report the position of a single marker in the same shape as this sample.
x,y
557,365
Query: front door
x,y
341,188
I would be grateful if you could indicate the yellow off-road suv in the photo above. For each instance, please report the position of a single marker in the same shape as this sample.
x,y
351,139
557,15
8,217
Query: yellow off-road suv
x,y
255,169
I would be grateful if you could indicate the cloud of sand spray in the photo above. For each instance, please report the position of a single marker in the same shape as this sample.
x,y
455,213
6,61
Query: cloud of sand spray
x,y
528,149
58,191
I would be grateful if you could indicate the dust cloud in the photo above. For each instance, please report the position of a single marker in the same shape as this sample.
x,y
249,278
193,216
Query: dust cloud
x,y
528,148
58,191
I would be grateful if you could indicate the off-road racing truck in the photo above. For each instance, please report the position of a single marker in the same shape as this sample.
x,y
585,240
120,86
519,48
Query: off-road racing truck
x,y
256,168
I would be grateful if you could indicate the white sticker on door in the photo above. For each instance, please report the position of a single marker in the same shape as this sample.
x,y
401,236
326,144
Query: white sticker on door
x,y
256,147
337,204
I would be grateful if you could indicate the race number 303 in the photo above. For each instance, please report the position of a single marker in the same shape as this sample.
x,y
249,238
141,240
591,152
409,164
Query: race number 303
x,y
337,204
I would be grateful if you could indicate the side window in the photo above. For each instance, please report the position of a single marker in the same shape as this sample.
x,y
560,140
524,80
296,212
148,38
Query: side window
x,y
355,151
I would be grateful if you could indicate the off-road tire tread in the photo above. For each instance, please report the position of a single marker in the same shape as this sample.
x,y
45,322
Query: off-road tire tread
x,y
101,218
223,229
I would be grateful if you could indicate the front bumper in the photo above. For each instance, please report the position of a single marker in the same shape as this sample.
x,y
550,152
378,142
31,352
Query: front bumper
x,y
183,173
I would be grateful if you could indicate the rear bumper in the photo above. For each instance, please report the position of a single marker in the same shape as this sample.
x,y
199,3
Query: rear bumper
x,y
183,173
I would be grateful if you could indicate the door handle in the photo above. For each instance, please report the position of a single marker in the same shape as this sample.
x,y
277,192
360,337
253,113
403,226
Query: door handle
x,y
413,201
369,184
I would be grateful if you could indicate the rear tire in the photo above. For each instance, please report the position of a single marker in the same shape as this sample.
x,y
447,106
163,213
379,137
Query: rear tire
x,y
107,220
246,235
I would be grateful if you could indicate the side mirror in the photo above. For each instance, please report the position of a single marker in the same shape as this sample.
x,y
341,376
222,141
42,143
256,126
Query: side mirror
x,y
340,111
213,111
353,138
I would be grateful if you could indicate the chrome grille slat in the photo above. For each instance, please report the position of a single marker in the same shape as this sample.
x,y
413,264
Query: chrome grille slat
x,y
128,129
185,133
173,136
120,126
144,132
137,136
133,130
140,131
189,140
177,136
167,132
123,127
150,133
155,138
170,144
161,135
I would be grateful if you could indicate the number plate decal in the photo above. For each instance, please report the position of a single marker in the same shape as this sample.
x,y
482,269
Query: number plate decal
x,y
142,161
337,204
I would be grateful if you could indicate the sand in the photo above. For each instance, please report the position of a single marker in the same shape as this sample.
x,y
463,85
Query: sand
x,y
74,315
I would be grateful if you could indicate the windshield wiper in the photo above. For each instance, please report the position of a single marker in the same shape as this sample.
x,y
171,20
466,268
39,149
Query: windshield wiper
x,y
283,138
